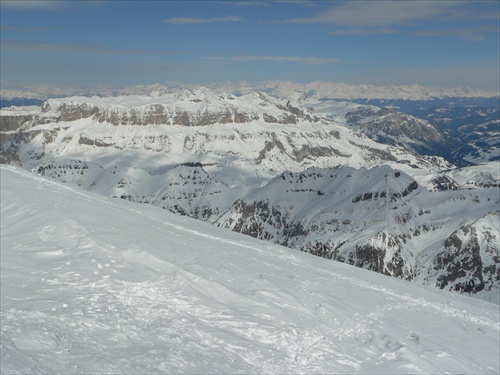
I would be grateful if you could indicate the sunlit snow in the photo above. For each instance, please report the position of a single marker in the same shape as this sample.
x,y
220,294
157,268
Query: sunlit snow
x,y
95,285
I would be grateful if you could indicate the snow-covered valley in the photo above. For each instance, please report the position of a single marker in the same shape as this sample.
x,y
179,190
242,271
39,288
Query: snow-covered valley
x,y
95,285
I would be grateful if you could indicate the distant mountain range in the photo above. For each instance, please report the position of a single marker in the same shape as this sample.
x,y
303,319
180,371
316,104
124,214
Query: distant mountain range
x,y
306,173
462,135
378,95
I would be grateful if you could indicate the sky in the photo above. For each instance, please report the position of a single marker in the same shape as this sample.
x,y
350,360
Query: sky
x,y
442,43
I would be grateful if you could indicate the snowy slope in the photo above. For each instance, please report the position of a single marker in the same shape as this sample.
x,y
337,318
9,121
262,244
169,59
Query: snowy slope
x,y
93,285
381,219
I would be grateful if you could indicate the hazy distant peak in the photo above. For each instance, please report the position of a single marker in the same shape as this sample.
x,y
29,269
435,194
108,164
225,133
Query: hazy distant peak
x,y
318,89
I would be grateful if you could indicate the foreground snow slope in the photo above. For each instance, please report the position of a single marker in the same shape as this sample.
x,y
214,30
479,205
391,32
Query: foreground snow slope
x,y
94,285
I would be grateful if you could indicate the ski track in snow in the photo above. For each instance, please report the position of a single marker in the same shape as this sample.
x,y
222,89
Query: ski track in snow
x,y
91,285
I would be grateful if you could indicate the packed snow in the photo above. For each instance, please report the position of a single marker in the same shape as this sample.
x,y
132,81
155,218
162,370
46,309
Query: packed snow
x,y
95,285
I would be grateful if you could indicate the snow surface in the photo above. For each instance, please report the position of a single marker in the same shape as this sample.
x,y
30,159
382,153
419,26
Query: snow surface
x,y
95,285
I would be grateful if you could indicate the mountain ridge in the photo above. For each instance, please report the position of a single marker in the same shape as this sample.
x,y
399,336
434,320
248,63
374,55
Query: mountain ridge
x,y
215,171
320,89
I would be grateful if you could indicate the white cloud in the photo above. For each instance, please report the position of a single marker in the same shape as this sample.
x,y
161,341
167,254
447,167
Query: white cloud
x,y
465,33
189,20
359,31
242,3
49,4
379,13
268,3
33,4
280,59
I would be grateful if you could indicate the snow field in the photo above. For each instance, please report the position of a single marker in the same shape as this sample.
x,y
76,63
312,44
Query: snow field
x,y
95,285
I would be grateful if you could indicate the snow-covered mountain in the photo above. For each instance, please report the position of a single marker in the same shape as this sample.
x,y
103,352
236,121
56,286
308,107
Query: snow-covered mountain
x,y
184,107
94,285
222,159
387,125
481,175
460,135
381,220
462,123
319,89
477,130
271,134
334,90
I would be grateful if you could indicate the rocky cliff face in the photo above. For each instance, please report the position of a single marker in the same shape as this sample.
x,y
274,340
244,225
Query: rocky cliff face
x,y
470,260
186,108
266,133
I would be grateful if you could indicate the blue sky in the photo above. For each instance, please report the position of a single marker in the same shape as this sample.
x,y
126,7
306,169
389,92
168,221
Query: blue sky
x,y
441,43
